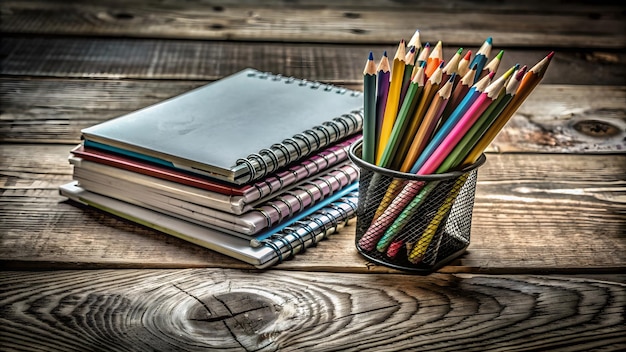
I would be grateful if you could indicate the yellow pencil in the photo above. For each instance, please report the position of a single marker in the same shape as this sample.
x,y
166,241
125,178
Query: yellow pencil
x,y
393,99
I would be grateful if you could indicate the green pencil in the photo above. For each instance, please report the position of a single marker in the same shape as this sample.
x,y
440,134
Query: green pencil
x,y
369,110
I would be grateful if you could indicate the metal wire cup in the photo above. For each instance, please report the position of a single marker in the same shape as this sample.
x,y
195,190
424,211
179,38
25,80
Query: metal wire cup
x,y
413,222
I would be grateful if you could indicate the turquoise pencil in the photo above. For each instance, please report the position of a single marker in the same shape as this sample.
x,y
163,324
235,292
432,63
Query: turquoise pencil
x,y
481,57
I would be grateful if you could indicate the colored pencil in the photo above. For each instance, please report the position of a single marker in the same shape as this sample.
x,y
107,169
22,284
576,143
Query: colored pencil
x,y
456,133
369,110
430,89
393,98
452,67
383,77
464,64
427,126
395,229
481,57
482,102
423,55
409,61
407,110
419,249
415,41
492,66
530,80
458,154
434,60
454,118
458,93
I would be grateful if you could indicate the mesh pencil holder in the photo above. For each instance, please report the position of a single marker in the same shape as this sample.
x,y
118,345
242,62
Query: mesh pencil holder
x,y
413,222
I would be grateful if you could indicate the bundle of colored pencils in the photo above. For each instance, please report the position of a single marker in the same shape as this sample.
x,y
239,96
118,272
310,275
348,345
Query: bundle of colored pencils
x,y
425,115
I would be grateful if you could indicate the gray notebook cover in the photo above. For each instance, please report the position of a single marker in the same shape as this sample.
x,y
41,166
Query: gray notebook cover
x,y
212,128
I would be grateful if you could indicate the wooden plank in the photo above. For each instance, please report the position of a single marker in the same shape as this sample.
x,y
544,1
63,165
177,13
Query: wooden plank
x,y
556,213
231,310
521,25
555,118
123,58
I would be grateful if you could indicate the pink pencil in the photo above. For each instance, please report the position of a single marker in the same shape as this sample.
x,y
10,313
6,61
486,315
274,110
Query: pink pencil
x,y
465,123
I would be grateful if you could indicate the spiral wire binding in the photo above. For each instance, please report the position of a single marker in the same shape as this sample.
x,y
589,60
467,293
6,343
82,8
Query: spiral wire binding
x,y
312,226
266,161
333,174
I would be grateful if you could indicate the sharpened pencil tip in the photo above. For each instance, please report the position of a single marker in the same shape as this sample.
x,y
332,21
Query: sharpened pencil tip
x,y
385,53
550,55
489,41
521,72
459,51
468,55
371,57
499,56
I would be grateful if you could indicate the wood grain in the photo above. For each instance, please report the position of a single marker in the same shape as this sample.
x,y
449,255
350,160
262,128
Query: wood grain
x,y
518,25
532,214
123,58
230,310
554,119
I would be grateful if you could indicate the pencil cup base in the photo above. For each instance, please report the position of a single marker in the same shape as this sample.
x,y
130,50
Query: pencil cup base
x,y
413,222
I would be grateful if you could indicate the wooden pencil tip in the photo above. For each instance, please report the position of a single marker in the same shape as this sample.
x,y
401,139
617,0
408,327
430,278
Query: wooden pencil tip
x,y
489,40
550,55
385,53
371,57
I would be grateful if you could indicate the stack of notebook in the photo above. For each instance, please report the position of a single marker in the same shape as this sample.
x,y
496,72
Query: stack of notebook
x,y
254,165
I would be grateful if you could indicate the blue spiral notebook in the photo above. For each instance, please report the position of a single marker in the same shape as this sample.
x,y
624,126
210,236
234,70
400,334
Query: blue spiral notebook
x,y
237,129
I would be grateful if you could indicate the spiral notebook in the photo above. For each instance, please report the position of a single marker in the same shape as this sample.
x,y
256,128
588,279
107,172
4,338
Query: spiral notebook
x,y
237,129
220,196
198,208
287,242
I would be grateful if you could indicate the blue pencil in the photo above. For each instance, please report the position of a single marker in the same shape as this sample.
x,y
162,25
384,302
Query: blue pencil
x,y
451,121
481,57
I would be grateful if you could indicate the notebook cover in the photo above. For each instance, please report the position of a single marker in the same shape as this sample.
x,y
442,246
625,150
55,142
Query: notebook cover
x,y
212,128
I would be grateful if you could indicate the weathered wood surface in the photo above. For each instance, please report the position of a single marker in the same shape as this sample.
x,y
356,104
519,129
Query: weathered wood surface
x,y
539,24
563,213
123,58
559,207
555,118
230,310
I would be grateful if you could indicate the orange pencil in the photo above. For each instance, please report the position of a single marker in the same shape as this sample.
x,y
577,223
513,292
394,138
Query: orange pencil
x,y
435,58
530,80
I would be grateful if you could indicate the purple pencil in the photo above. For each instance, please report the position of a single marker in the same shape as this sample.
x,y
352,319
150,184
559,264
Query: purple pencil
x,y
383,78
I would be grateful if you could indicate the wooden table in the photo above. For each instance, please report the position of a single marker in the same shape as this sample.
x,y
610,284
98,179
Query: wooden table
x,y
545,267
